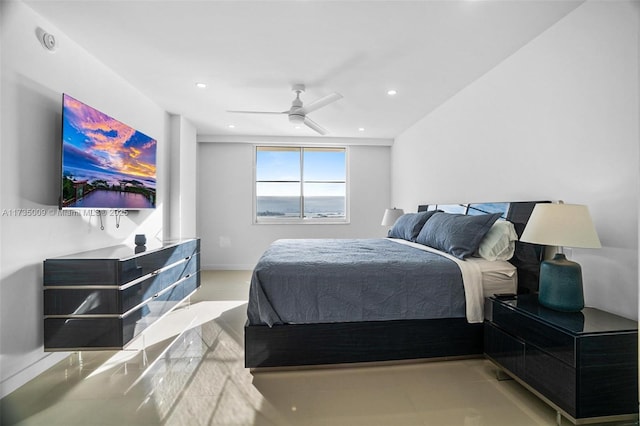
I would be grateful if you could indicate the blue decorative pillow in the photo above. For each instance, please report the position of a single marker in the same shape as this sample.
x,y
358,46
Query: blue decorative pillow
x,y
456,234
408,226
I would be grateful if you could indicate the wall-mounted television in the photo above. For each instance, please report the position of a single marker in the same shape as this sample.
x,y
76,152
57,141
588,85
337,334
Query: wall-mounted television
x,y
106,164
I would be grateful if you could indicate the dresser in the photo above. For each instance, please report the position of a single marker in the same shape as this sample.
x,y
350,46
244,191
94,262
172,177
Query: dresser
x,y
584,364
102,299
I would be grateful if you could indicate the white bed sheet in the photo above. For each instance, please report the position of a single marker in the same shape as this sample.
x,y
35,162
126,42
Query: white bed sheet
x,y
481,278
498,276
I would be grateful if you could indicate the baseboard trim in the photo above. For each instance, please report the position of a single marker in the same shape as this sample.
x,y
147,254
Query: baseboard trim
x,y
226,267
30,372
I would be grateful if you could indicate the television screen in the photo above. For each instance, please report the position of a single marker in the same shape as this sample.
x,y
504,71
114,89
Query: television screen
x,y
105,163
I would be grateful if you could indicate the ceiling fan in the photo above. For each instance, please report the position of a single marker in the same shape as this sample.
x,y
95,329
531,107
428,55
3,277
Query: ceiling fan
x,y
298,113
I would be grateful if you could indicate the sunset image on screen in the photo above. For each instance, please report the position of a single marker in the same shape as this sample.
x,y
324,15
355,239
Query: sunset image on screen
x,y
105,163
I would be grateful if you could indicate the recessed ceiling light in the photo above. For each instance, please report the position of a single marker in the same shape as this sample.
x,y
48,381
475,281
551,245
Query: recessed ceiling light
x,y
392,92
361,129
231,126
201,85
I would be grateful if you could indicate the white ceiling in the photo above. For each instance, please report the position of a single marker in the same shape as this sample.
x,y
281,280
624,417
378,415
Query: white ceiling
x,y
251,52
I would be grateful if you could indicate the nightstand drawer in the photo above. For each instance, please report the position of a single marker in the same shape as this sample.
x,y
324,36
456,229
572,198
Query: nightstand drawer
x,y
552,378
504,348
553,341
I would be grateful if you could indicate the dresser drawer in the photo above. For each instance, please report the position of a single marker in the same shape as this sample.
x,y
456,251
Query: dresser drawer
x,y
67,272
81,301
84,271
134,295
82,333
93,301
555,342
143,265
114,331
136,321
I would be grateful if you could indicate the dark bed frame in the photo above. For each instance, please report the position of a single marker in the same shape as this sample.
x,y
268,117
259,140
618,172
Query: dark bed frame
x,y
290,345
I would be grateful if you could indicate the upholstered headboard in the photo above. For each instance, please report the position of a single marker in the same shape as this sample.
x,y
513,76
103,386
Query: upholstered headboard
x,y
527,256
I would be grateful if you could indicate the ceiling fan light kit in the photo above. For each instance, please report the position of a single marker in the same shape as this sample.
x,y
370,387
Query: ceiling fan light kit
x,y
296,118
297,113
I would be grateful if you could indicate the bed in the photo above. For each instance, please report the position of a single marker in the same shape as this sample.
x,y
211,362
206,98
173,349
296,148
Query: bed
x,y
417,294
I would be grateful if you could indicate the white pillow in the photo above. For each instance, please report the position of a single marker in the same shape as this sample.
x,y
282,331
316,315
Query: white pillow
x,y
499,242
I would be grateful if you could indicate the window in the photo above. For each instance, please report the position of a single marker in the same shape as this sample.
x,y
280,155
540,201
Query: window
x,y
305,184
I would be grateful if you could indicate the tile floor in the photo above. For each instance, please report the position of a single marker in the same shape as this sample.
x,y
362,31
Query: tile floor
x,y
191,373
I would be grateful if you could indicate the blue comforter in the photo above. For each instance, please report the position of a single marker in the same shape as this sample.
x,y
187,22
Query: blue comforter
x,y
340,280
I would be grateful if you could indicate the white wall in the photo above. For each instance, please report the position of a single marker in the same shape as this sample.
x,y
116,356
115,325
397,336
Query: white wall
x,y
559,119
182,179
32,82
225,200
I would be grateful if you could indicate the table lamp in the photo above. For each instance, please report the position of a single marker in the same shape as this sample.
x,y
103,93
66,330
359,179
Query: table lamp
x,y
561,225
390,216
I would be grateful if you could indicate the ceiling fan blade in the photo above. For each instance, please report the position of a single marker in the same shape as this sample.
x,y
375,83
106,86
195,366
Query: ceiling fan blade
x,y
319,103
259,112
315,126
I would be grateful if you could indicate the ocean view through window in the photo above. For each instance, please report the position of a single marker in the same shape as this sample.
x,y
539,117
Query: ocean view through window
x,y
306,184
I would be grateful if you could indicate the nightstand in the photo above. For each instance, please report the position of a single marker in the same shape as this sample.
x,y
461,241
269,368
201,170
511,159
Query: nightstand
x,y
584,364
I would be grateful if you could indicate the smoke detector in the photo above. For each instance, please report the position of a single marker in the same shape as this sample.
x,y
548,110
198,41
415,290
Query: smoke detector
x,y
48,40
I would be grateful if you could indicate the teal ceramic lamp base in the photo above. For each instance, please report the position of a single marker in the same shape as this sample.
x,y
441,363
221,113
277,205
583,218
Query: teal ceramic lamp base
x,y
561,284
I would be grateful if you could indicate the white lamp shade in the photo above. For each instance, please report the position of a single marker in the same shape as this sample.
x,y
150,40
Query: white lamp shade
x,y
391,215
565,225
